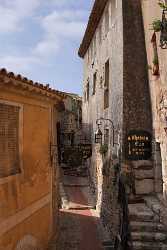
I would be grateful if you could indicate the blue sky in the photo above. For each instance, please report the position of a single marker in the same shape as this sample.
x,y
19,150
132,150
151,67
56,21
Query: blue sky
x,y
40,40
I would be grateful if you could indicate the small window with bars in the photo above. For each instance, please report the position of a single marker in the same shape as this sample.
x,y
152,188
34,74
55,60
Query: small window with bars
x,y
100,33
107,22
106,84
9,140
94,83
87,91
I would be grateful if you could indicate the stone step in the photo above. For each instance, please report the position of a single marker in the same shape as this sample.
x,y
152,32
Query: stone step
x,y
148,236
148,246
109,248
108,245
144,217
153,203
146,227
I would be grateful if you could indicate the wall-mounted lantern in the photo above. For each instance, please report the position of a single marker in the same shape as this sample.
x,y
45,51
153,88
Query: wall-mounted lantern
x,y
98,135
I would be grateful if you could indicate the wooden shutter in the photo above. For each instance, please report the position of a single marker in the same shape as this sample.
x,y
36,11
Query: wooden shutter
x,y
9,140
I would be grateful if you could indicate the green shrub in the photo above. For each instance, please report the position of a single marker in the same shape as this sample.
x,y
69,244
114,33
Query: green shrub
x,y
162,5
103,149
157,25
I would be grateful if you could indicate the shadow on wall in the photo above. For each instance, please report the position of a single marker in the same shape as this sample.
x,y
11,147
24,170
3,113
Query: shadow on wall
x,y
109,212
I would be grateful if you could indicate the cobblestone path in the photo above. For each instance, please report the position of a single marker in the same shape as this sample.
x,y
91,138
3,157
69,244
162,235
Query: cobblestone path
x,y
78,226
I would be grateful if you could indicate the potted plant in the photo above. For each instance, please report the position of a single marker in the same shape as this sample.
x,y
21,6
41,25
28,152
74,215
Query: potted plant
x,y
155,66
162,5
157,24
103,149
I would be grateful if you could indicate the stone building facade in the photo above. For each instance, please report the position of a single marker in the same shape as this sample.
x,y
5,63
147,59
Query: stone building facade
x,y
157,80
102,94
116,87
28,163
71,118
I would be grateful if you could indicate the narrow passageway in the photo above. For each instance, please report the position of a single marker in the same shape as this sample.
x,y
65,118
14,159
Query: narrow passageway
x,y
79,225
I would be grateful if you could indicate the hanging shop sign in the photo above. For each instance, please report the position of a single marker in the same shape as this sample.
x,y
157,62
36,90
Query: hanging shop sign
x,y
86,150
138,145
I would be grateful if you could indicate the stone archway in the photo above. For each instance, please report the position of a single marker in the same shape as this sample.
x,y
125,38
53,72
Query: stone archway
x,y
28,242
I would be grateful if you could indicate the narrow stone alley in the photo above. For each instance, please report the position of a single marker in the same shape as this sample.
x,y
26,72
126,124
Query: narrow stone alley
x,y
80,227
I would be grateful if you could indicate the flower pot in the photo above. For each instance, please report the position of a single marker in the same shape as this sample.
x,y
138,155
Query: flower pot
x,y
155,70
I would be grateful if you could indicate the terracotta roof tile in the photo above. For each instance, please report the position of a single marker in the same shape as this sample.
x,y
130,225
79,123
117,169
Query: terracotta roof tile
x,y
21,80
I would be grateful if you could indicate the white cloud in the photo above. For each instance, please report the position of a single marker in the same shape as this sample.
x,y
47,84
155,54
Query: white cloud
x,y
18,64
9,20
46,47
25,7
13,12
61,3
59,26
65,23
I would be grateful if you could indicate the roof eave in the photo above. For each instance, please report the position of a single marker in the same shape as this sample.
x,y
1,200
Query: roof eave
x,y
94,19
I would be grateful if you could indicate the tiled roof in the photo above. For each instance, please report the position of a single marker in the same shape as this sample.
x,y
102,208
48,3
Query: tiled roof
x,y
73,96
21,81
93,22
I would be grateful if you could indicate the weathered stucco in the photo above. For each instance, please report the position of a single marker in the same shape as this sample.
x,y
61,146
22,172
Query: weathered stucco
x,y
26,198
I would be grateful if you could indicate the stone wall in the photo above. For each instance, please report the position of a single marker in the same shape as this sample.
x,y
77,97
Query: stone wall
x,y
109,45
130,103
152,11
137,102
137,110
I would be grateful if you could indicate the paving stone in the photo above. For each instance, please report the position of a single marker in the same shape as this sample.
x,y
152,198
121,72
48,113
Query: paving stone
x,y
78,226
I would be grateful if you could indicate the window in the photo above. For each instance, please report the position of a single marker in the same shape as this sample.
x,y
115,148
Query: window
x,y
84,96
88,55
100,33
107,21
9,140
94,45
94,83
91,49
87,91
106,85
